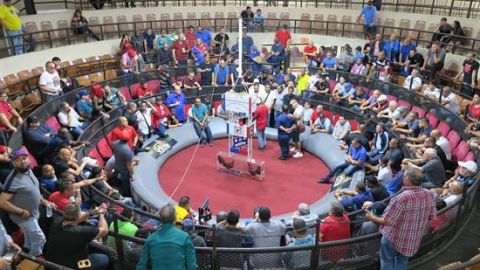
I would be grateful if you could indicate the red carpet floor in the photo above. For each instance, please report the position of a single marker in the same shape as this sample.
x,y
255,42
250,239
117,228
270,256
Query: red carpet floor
x,y
286,183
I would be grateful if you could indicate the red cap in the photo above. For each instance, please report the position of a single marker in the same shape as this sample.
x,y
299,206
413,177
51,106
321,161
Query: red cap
x,y
131,53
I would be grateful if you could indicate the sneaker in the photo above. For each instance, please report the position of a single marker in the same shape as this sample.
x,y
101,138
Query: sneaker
x,y
298,155
282,158
293,149
324,181
210,144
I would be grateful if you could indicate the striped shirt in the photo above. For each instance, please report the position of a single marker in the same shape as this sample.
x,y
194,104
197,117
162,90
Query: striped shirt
x,y
407,217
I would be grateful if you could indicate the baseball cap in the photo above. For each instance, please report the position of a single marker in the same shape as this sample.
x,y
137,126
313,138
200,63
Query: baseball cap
x,y
3,149
20,152
256,81
377,208
188,225
83,93
347,85
382,98
131,53
469,165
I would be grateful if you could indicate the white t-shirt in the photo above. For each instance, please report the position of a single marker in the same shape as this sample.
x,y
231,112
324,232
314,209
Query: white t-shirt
x,y
312,81
452,105
432,93
445,145
260,94
415,82
270,98
74,122
144,120
385,175
299,112
52,81
452,199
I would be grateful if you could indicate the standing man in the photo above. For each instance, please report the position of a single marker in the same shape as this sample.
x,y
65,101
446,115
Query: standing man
x,y
285,125
220,74
176,103
21,198
12,23
200,122
168,247
261,116
470,74
283,36
180,50
369,13
124,163
405,221
435,60
49,83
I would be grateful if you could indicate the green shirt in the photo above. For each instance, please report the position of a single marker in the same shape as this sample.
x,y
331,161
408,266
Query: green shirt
x,y
169,248
124,227
302,83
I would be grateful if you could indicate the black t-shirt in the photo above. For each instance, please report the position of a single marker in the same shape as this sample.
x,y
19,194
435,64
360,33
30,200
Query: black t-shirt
x,y
379,193
395,155
417,59
468,69
441,155
229,237
206,74
447,29
247,15
221,39
60,166
69,244
131,118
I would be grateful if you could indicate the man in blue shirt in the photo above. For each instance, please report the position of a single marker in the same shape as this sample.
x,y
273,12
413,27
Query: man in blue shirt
x,y
169,247
357,154
84,105
200,122
278,54
392,48
37,137
369,13
220,74
353,200
247,42
329,64
405,49
284,126
204,35
176,103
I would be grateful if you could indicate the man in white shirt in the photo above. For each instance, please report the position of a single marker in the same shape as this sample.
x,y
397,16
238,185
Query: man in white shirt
x,y
449,100
413,82
144,118
442,142
431,91
298,117
257,90
70,119
313,80
49,83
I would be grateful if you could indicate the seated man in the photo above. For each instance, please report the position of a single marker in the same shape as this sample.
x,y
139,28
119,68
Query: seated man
x,y
370,102
322,124
378,190
48,178
304,213
451,195
358,98
464,174
379,144
357,154
37,137
343,95
431,167
70,119
84,105
430,142
229,233
390,114
335,227
342,128
352,200
409,127
69,191
413,82
300,238
68,240
423,133
200,122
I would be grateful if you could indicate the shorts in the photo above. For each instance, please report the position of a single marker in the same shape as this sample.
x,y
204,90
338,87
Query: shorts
x,y
295,135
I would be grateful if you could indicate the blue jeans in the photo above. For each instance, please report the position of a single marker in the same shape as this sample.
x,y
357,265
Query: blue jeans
x,y
375,157
34,239
99,261
283,142
391,259
347,168
262,138
16,41
161,131
204,136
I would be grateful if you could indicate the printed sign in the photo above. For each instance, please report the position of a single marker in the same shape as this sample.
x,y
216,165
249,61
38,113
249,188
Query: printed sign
x,y
161,146
239,141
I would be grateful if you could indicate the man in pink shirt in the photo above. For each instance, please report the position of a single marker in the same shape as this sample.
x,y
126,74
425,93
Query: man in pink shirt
x,y
261,116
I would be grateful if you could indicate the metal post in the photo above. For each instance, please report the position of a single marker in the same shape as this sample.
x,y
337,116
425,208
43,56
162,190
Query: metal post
x,y
118,243
451,8
469,8
240,48
433,5
316,251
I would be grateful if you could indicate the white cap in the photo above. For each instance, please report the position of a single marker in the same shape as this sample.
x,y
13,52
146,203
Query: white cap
x,y
256,81
470,165
382,97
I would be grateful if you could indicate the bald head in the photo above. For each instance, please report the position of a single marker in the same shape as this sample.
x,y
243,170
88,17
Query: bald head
x,y
436,134
122,121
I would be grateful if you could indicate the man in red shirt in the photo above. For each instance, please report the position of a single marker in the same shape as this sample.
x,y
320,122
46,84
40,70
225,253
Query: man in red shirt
x,y
261,116
7,113
190,37
335,227
160,116
310,52
180,49
191,83
123,127
144,90
283,36
315,114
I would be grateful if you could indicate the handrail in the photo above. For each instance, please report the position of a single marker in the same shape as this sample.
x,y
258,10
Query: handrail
x,y
450,8
333,28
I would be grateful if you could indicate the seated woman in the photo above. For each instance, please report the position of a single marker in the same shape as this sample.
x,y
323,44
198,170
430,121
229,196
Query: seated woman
x,y
458,38
80,25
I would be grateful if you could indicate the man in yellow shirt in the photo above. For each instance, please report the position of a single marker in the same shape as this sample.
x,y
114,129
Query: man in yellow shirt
x,y
302,81
12,23
182,210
